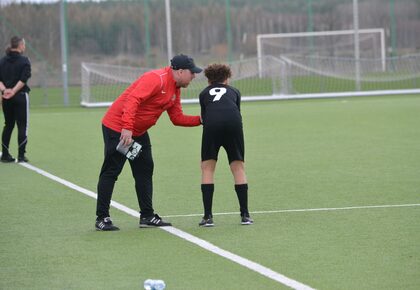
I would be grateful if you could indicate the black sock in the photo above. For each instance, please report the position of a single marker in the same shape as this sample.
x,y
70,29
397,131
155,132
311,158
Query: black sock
x,y
242,193
207,192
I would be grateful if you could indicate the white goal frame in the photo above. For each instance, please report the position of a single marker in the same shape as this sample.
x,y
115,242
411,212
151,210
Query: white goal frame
x,y
260,37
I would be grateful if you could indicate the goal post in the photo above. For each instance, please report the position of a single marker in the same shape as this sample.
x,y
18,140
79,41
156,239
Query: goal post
x,y
322,43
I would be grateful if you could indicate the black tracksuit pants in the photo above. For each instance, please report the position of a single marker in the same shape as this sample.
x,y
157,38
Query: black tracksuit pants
x,y
16,111
141,168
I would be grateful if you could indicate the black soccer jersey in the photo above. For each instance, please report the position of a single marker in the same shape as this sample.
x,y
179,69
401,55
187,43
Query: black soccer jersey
x,y
220,103
222,123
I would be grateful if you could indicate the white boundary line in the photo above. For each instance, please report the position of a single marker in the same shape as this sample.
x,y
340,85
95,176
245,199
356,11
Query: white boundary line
x,y
267,272
302,210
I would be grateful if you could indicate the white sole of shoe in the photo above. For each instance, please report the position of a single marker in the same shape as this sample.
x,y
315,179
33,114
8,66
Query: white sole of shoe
x,y
207,225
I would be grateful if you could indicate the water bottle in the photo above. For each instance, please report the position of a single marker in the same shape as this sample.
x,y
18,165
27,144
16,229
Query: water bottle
x,y
150,284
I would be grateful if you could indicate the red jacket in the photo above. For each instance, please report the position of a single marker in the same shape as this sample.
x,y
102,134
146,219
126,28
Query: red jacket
x,y
139,107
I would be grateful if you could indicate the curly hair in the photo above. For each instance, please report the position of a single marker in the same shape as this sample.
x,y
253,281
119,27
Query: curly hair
x,y
217,73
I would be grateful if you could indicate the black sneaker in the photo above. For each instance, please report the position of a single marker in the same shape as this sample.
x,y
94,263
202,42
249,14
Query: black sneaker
x,y
206,222
105,224
7,158
22,159
153,221
246,220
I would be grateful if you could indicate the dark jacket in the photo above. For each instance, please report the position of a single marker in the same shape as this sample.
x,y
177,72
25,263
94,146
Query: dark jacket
x,y
15,67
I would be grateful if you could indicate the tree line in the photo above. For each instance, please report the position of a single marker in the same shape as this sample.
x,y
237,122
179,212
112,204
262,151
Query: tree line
x,y
134,32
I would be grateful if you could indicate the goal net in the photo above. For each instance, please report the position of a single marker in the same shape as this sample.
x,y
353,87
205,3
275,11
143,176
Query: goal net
x,y
103,83
316,76
324,64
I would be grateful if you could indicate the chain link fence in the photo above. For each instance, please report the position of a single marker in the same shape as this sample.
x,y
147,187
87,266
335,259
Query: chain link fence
x,y
133,33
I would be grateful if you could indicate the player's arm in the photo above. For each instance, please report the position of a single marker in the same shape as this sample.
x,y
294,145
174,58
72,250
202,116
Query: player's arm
x,y
238,98
178,118
202,106
9,93
2,87
25,74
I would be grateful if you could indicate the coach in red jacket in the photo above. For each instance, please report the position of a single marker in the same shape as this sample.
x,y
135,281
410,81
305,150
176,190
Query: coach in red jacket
x,y
136,110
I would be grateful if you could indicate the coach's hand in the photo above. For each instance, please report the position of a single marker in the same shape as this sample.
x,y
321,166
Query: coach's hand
x,y
126,136
8,94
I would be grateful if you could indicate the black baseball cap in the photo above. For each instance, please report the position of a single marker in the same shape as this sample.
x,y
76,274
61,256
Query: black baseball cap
x,y
182,61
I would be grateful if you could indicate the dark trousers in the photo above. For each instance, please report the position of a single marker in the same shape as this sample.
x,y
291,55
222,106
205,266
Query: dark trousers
x,y
141,168
16,111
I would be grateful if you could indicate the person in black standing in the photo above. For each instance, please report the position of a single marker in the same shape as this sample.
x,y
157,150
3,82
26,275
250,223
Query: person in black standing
x,y
222,127
15,71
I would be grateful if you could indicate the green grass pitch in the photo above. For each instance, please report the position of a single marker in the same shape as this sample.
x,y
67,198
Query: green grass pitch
x,y
306,154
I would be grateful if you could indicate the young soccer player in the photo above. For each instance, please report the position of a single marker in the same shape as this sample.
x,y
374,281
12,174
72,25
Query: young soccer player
x,y
222,127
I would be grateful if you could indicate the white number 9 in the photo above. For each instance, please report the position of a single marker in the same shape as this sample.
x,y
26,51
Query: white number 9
x,y
218,93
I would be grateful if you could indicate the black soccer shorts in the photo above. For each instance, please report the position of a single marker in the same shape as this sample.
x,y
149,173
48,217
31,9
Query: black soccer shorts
x,y
229,136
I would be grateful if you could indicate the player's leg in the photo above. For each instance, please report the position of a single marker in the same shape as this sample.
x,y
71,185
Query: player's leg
x,y
209,151
111,169
241,189
9,123
22,118
208,168
142,170
237,168
236,151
